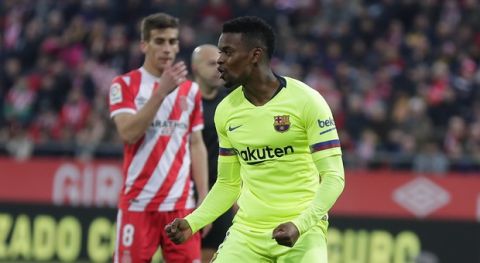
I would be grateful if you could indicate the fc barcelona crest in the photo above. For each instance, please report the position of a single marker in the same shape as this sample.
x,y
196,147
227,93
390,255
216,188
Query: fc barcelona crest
x,y
281,123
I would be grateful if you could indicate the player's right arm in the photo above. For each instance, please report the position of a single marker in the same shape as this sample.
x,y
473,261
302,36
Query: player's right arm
x,y
221,197
226,189
131,125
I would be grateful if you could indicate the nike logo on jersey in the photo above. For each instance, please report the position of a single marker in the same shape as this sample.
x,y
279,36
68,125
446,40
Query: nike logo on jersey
x,y
230,128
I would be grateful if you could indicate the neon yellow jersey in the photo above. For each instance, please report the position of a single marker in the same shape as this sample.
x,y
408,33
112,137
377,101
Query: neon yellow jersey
x,y
276,145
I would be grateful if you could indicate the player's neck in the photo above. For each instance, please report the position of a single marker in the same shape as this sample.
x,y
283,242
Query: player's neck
x,y
152,70
261,88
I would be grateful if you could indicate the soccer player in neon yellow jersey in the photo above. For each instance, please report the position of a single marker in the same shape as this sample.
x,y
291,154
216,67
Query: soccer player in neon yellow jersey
x,y
279,157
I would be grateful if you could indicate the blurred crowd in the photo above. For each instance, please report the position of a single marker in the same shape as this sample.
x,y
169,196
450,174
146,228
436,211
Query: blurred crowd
x,y
401,76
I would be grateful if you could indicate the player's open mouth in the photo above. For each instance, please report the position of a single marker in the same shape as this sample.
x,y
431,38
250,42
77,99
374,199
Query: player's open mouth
x,y
222,72
217,76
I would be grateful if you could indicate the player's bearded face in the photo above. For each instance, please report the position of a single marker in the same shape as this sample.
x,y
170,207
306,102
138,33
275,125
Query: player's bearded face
x,y
233,63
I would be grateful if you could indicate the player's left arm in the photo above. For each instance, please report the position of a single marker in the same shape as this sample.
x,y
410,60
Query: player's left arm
x,y
326,154
198,153
331,186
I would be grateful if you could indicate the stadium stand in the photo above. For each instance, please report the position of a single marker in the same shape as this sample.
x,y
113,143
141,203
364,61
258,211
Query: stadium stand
x,y
402,77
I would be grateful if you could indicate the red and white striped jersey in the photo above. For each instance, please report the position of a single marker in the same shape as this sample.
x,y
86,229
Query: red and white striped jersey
x,y
156,168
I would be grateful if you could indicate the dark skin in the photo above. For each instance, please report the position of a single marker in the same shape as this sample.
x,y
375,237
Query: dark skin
x,y
241,64
248,67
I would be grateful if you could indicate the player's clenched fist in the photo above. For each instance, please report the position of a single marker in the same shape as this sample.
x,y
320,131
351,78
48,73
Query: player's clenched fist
x,y
172,76
178,231
286,234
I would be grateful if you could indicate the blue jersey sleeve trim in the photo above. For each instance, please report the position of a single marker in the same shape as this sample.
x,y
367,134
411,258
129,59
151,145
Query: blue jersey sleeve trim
x,y
324,145
226,152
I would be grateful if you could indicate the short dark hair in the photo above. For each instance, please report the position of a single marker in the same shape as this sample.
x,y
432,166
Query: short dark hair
x,y
157,21
255,31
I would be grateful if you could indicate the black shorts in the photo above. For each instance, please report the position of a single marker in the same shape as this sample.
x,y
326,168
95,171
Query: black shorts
x,y
219,229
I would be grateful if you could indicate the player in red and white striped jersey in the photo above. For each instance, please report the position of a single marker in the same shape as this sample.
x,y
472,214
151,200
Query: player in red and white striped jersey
x,y
158,114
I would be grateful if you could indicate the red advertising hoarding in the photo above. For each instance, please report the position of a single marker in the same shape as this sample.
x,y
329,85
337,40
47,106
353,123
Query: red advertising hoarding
x,y
392,194
384,194
60,182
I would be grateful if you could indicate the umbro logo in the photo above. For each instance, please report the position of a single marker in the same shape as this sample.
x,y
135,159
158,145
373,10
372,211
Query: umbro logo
x,y
230,128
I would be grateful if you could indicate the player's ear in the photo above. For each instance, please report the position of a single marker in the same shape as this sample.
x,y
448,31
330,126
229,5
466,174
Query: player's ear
x,y
143,46
257,54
